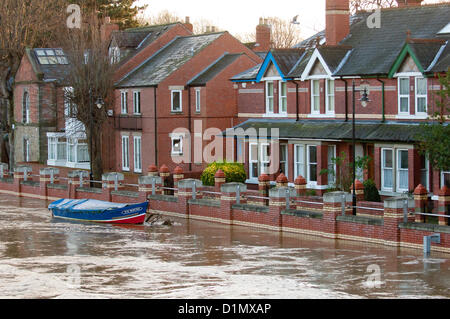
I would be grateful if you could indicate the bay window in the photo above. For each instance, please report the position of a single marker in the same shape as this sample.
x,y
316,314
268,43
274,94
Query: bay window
x,y
137,148
299,159
387,169
424,172
312,163
445,179
253,161
402,170
284,159
331,164
265,158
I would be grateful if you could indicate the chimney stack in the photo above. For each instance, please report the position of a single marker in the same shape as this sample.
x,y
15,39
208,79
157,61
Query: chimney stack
x,y
107,28
409,3
188,24
263,36
337,21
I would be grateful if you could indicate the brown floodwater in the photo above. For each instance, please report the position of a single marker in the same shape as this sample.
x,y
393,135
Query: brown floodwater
x,y
42,257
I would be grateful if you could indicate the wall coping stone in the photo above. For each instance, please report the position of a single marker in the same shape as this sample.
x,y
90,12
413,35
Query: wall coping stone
x,y
48,171
205,202
57,186
302,213
30,183
280,192
395,202
148,180
110,177
188,183
232,187
72,174
426,227
89,190
336,197
22,169
126,193
376,221
251,208
164,198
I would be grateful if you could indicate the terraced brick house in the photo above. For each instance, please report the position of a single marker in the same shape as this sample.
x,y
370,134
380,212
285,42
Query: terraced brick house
x,y
306,92
173,97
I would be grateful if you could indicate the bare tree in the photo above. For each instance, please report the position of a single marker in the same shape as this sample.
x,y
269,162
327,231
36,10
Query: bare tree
x,y
90,78
284,34
360,5
23,24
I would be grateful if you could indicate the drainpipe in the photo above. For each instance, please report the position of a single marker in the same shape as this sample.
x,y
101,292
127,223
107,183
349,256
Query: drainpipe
x,y
189,126
156,127
383,103
346,98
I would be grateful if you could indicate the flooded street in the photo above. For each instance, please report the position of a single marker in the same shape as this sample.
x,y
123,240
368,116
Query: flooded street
x,y
41,257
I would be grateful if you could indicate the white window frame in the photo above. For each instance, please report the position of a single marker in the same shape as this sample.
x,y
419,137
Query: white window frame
x,y
126,153
172,139
299,161
137,154
309,163
253,162
282,98
26,151
419,96
265,158
198,96
389,189
402,96
442,177
172,92
313,95
286,161
26,107
270,98
329,94
124,102
137,102
398,170
333,164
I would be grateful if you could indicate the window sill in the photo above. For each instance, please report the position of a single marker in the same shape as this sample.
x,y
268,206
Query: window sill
x,y
411,117
321,115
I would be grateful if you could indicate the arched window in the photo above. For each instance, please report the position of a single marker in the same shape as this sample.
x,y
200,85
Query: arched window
x,y
26,107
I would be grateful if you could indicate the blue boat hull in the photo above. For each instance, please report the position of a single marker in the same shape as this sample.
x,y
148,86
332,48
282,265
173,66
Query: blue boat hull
x,y
129,214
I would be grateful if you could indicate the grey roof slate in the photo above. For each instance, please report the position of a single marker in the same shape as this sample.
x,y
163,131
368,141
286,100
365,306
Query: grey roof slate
x,y
286,58
340,130
247,75
376,49
167,60
214,69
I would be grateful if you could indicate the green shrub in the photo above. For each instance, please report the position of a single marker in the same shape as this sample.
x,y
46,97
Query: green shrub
x,y
234,173
371,193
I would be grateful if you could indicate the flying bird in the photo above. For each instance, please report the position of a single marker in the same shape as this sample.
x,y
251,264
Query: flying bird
x,y
294,20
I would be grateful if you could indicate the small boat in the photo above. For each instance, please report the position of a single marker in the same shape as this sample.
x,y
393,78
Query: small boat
x,y
91,210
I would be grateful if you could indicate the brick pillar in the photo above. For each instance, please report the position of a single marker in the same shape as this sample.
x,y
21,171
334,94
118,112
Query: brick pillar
x,y
300,186
263,188
332,207
282,180
228,199
185,192
178,175
74,181
420,200
219,180
45,177
443,204
20,174
164,173
277,204
393,216
109,181
146,186
152,170
359,190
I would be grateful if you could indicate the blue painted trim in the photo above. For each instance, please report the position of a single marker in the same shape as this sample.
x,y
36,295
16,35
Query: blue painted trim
x,y
269,58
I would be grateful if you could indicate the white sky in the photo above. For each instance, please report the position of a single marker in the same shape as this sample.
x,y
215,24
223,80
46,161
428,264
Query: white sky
x,y
242,16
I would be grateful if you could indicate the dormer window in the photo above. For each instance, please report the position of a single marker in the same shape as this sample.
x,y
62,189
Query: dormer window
x,y
330,96
315,96
421,95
